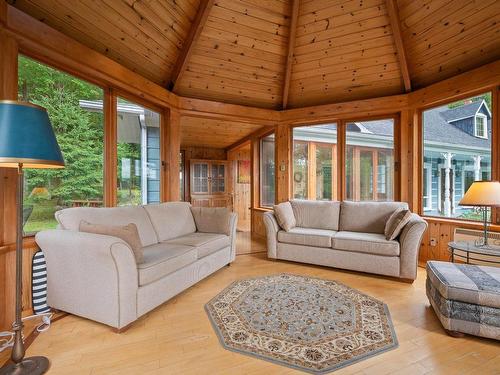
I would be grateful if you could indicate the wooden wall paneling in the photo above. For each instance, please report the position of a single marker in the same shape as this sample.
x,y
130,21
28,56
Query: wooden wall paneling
x,y
283,153
393,12
258,226
291,45
241,192
110,150
187,48
8,182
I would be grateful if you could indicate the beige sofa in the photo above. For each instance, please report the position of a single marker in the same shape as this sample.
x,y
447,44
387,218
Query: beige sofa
x,y
348,235
97,277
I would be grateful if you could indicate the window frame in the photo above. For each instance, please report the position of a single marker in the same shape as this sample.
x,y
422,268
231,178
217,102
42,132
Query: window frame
x,y
259,153
485,125
110,98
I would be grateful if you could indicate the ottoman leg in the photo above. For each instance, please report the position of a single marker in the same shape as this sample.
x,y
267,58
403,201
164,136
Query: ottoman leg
x,y
455,333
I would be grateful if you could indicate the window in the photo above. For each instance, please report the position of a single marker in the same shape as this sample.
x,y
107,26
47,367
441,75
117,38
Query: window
x,y
315,162
75,110
457,152
138,154
267,171
370,160
480,126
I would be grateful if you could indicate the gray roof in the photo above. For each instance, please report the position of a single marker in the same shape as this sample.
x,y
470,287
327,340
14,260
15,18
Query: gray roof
x,y
461,112
438,129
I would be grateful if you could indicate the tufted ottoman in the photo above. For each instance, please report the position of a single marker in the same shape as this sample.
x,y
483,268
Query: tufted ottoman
x,y
466,298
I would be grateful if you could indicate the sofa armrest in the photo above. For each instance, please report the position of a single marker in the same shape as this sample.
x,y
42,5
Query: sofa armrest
x,y
410,240
90,275
272,229
233,223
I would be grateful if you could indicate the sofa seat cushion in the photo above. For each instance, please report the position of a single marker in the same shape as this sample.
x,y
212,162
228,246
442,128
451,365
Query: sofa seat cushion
x,y
307,236
370,243
205,243
162,259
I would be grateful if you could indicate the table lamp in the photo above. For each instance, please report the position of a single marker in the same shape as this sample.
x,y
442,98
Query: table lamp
x,y
26,141
483,194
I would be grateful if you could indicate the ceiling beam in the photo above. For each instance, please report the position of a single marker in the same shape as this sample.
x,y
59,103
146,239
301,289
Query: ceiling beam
x,y
291,47
187,48
393,12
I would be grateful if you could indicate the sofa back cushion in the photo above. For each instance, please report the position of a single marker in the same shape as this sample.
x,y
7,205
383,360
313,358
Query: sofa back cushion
x,y
368,217
70,219
316,214
171,219
212,219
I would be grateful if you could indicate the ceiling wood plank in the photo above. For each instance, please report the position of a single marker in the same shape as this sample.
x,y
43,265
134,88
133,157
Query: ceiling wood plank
x,y
393,12
291,47
187,49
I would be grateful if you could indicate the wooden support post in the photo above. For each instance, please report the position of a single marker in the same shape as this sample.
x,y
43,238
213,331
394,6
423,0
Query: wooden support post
x,y
334,173
8,181
110,149
311,170
283,162
291,46
171,148
375,174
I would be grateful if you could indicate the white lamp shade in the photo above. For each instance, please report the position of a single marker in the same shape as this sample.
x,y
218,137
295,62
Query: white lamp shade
x,y
482,193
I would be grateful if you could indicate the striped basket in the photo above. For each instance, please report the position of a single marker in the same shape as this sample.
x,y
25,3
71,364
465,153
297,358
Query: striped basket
x,y
39,284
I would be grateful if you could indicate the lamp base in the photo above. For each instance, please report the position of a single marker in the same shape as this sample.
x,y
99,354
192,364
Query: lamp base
x,y
31,365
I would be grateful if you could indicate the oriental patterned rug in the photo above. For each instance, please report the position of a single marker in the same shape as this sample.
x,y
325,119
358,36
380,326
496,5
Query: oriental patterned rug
x,y
309,324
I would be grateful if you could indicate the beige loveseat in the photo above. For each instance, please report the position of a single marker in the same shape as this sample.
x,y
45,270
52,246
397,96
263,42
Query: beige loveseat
x,y
97,277
347,235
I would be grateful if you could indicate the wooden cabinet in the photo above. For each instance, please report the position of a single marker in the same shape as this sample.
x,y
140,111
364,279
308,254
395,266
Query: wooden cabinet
x,y
209,183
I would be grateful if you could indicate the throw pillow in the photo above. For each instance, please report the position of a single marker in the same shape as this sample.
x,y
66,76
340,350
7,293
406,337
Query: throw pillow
x,y
396,223
212,219
285,216
127,233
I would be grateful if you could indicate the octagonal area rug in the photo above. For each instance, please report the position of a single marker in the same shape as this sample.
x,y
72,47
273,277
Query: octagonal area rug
x,y
309,324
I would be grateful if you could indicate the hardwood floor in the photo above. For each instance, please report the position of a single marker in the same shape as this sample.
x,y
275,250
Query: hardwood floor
x,y
177,338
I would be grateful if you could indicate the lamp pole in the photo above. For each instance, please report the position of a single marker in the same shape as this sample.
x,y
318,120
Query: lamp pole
x,y
33,365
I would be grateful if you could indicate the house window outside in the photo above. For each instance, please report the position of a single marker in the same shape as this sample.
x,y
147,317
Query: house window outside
x,y
480,126
314,162
370,160
138,151
456,153
79,132
267,171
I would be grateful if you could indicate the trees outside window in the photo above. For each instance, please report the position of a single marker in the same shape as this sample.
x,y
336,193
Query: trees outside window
x,y
80,135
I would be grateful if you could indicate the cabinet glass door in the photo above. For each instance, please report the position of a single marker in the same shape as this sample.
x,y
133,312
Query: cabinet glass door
x,y
218,178
200,178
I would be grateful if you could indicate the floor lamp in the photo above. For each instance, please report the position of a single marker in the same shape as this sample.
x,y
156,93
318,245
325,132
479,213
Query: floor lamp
x,y
26,141
483,194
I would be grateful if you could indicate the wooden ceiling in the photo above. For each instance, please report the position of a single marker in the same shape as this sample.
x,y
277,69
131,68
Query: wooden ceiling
x,y
214,133
243,51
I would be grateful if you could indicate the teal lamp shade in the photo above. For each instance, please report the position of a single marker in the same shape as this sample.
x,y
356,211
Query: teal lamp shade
x,y
26,137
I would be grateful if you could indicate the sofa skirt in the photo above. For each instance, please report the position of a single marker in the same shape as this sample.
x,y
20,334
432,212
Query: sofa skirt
x,y
349,260
160,291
